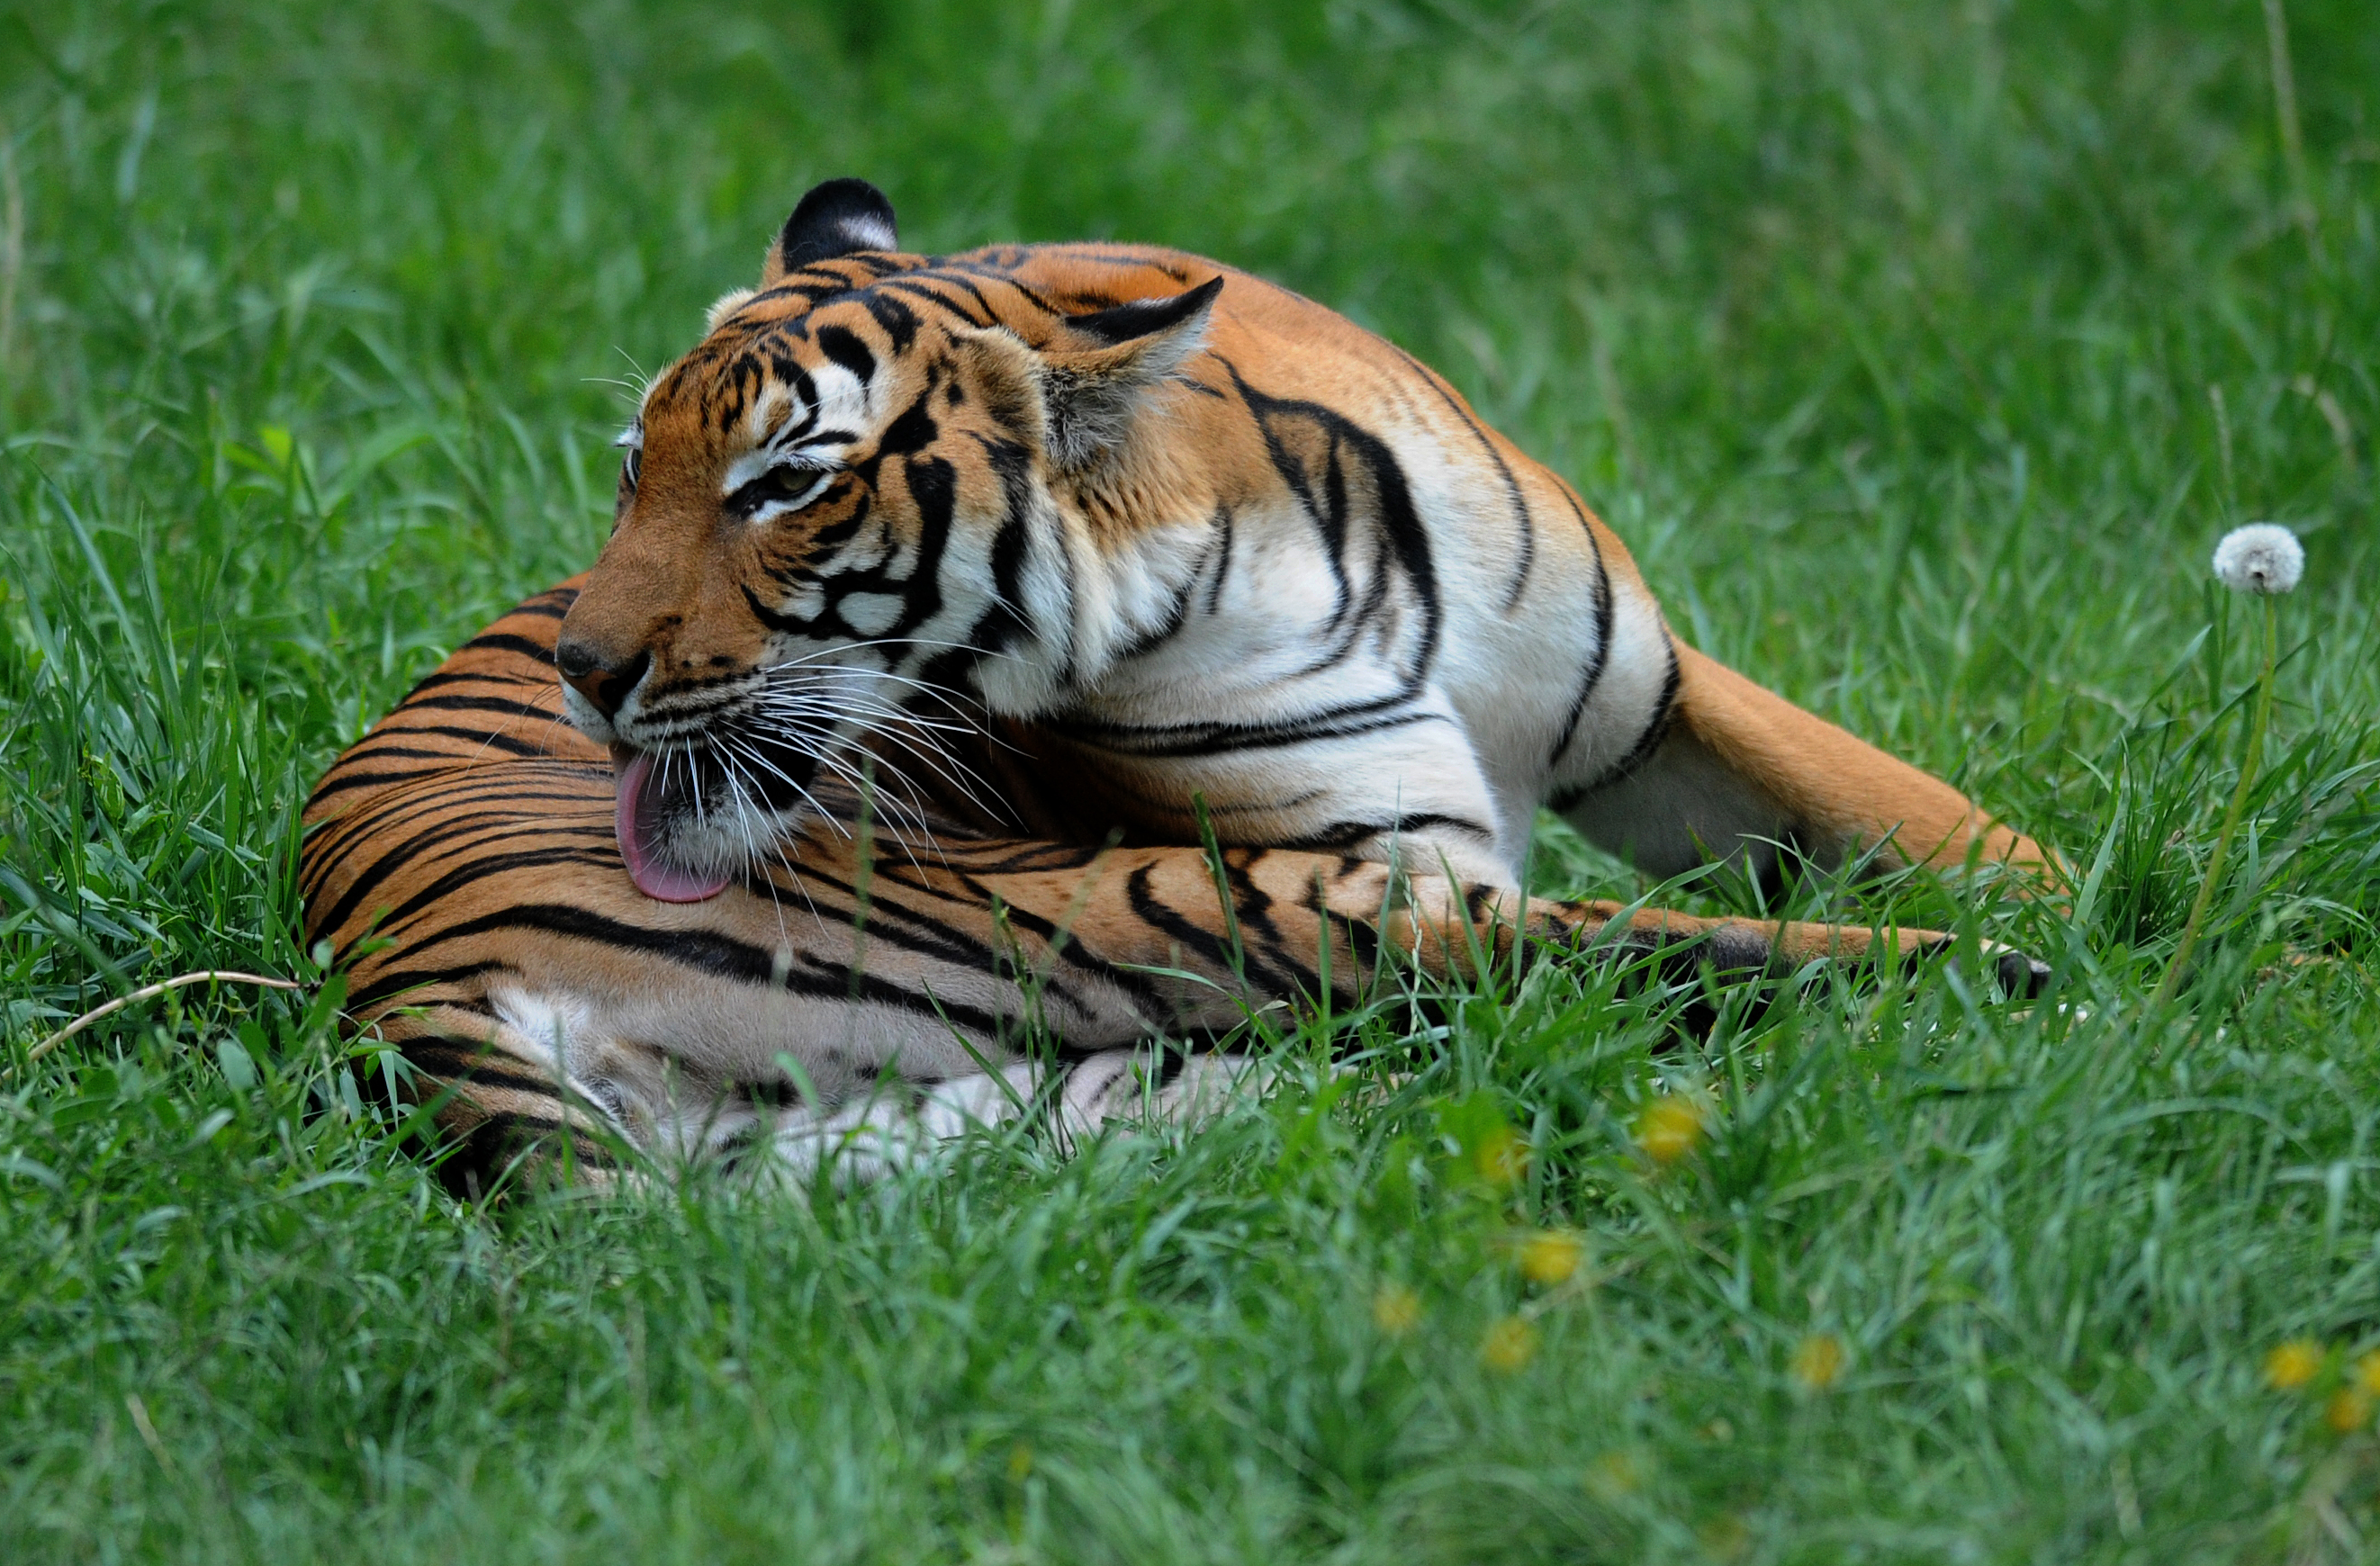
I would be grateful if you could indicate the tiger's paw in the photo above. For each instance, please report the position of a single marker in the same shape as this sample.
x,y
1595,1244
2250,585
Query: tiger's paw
x,y
2018,975
2022,975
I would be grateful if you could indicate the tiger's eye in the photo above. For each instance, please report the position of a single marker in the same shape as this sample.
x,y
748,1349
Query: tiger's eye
x,y
786,486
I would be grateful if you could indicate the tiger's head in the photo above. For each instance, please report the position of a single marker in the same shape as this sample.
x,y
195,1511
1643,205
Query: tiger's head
x,y
865,485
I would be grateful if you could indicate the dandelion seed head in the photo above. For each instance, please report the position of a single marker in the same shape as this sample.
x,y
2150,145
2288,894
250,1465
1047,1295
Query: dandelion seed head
x,y
2263,557
2291,1366
1818,1361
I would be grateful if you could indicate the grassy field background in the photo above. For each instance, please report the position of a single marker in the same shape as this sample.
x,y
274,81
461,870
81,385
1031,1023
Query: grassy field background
x,y
1921,353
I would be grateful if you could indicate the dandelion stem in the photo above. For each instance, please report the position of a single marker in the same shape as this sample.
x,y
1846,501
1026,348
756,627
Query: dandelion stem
x,y
2194,926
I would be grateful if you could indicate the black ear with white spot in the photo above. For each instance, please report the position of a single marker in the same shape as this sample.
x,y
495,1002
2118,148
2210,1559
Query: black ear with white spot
x,y
835,219
1090,392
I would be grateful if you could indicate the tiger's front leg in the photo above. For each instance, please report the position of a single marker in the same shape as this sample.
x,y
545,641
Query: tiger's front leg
x,y
1296,925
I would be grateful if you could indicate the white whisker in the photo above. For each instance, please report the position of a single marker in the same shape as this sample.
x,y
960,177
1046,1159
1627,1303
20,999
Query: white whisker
x,y
748,806
827,758
903,733
752,754
839,648
912,731
868,794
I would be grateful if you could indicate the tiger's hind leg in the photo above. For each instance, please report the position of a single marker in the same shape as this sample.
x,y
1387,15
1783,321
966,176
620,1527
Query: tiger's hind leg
x,y
501,1098
1728,772
1299,917
1684,947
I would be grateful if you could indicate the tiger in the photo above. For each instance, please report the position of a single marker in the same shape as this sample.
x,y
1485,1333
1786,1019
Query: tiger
x,y
1086,635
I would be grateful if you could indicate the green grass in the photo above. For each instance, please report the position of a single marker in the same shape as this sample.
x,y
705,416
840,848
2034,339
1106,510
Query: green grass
x,y
1921,353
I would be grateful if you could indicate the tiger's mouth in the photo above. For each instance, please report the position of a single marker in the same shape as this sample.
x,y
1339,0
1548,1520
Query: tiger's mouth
x,y
648,809
689,818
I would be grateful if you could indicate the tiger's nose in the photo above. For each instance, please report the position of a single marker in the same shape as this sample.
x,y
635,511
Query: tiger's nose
x,y
603,680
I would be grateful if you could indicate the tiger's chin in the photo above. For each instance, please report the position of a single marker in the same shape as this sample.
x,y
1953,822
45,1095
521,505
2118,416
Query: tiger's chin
x,y
687,830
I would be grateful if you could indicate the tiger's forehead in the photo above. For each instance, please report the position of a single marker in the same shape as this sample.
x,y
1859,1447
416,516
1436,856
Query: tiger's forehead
x,y
781,374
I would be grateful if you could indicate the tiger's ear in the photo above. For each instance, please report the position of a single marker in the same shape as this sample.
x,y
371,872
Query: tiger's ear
x,y
728,304
835,219
1095,378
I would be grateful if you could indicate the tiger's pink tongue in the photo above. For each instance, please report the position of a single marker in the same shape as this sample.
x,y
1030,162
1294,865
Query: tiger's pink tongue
x,y
637,820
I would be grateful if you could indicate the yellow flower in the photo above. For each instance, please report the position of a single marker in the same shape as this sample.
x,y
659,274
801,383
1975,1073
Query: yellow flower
x,y
2350,1409
1725,1537
1551,1256
1503,1156
2367,1373
1669,1128
1396,1309
1818,1361
1615,1474
1509,1344
2293,1365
